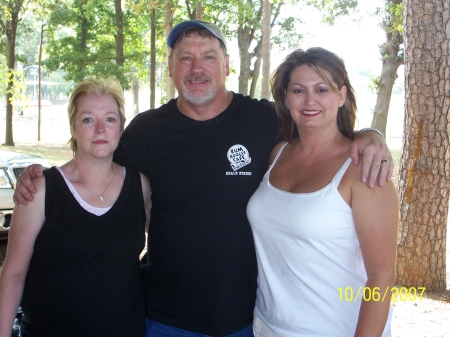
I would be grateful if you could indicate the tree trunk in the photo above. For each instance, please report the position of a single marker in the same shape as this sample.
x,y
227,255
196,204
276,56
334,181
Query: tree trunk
x,y
168,25
118,36
10,28
135,86
40,80
245,36
152,59
425,166
119,33
265,83
9,140
392,59
83,40
388,76
244,40
199,11
256,70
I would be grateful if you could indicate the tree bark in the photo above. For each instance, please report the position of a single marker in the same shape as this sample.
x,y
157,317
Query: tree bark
x,y
392,57
256,69
265,83
41,45
119,38
84,28
152,59
135,86
10,27
199,11
390,65
246,34
425,166
168,25
245,37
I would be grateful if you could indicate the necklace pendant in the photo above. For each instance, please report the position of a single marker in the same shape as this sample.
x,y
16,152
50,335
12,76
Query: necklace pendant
x,y
101,197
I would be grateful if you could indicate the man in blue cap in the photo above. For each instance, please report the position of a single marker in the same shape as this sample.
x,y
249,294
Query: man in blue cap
x,y
205,154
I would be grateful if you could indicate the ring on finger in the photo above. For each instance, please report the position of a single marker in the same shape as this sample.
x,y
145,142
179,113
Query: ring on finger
x,y
384,161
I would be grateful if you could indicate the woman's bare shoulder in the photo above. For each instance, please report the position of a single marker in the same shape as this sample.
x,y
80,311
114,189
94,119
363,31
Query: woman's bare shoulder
x,y
274,152
352,179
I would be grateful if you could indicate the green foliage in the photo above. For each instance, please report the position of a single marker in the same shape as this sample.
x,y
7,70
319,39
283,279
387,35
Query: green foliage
x,y
375,83
82,41
333,9
392,24
3,78
139,16
285,35
3,45
28,38
84,49
80,38
63,89
392,13
234,15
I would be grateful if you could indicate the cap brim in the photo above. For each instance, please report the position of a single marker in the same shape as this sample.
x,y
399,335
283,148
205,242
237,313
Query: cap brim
x,y
181,27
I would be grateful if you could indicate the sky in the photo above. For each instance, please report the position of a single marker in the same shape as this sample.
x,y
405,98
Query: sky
x,y
357,43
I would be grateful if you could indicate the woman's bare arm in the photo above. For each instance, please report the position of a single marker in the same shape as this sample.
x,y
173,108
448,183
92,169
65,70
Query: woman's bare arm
x,y
25,188
26,223
376,216
146,192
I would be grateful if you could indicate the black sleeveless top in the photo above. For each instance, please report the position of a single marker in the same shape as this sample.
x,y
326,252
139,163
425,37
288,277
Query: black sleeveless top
x,y
83,278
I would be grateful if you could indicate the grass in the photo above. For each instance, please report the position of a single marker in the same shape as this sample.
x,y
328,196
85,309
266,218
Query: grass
x,y
56,155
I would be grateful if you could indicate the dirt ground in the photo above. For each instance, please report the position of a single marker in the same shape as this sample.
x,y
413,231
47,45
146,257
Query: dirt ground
x,y
429,317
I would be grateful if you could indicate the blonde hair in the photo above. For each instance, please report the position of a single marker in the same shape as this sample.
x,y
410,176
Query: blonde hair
x,y
99,87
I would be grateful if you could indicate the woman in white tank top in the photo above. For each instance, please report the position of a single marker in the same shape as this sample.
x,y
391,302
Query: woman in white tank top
x,y
324,240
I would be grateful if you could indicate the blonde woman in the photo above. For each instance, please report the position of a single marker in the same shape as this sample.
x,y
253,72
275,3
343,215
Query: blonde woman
x,y
73,253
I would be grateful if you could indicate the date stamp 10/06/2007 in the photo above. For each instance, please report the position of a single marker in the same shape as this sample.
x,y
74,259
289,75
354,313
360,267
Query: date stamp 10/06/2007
x,y
394,294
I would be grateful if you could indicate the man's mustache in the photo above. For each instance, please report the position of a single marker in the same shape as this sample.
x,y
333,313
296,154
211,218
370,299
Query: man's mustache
x,y
198,77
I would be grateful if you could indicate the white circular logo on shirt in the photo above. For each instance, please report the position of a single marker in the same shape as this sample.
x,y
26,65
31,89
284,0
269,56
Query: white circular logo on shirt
x,y
238,156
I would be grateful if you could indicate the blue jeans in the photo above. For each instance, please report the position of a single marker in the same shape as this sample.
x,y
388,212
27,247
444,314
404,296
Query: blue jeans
x,y
155,329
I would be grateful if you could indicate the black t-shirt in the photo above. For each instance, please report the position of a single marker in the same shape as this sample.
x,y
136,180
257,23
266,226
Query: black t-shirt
x,y
202,275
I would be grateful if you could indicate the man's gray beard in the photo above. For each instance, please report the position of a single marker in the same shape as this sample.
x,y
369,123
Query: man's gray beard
x,y
207,97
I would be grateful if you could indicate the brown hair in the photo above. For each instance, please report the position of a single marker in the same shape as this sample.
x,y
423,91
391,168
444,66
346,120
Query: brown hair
x,y
97,87
320,60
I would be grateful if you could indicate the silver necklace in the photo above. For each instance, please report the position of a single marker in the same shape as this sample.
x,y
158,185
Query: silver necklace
x,y
82,181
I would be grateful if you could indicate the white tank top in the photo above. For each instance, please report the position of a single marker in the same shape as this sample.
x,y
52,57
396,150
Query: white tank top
x,y
307,248
88,207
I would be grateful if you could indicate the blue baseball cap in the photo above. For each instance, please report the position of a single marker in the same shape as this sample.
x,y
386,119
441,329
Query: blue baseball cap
x,y
181,27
